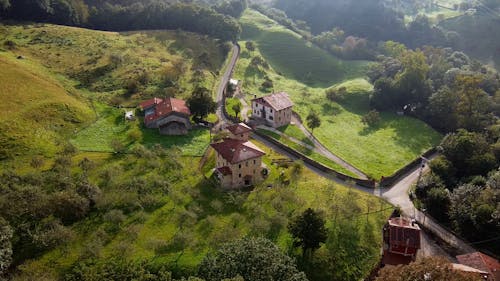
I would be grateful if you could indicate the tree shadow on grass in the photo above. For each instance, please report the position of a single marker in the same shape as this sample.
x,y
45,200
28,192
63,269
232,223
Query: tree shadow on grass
x,y
330,109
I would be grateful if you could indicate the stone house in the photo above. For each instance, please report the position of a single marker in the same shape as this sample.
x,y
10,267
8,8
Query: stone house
x,y
238,161
274,110
170,115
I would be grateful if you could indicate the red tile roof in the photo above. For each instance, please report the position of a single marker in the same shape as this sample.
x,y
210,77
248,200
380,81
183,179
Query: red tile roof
x,y
240,128
278,101
164,108
236,151
225,170
482,262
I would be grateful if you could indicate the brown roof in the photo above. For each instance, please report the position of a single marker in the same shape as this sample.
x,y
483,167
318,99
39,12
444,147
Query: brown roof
x,y
149,103
236,151
482,262
278,101
164,108
225,170
465,268
240,128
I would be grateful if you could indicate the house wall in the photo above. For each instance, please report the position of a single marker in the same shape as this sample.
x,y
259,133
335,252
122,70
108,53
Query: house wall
x,y
273,118
251,167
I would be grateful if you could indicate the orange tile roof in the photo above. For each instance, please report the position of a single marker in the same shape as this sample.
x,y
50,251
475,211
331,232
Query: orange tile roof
x,y
164,107
482,262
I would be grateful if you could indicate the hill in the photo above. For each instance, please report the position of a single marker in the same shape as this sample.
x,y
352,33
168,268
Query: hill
x,y
37,113
292,56
376,151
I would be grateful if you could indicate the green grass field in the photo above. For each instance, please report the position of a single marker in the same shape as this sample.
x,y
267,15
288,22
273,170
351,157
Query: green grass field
x,y
106,62
195,218
378,151
294,132
111,125
293,57
37,113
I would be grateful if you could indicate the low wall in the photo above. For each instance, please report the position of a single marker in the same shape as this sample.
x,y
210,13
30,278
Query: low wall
x,y
315,164
392,179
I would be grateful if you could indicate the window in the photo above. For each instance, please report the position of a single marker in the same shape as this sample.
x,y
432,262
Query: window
x,y
254,162
270,117
239,166
271,110
239,175
246,164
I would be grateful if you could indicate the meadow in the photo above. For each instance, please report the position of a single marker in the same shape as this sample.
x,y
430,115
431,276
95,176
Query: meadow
x,y
189,216
37,113
377,151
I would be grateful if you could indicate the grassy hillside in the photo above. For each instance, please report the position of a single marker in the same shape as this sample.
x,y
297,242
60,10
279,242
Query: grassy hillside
x,y
121,68
378,151
191,217
37,113
293,57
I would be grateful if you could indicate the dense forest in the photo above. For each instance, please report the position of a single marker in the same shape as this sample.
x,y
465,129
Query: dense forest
x,y
215,20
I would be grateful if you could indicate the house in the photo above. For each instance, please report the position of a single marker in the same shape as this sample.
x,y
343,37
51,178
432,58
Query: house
x,y
239,131
238,161
483,263
473,272
274,110
401,240
169,115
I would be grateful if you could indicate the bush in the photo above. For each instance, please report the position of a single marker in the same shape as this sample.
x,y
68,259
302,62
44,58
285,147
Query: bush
x,y
371,119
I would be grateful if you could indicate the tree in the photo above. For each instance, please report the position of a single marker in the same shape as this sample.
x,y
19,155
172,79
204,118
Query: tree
x,y
255,259
250,45
5,246
200,103
4,4
236,108
436,268
313,120
308,231
371,119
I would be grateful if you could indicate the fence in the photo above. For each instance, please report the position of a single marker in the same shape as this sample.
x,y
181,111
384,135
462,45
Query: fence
x,y
315,164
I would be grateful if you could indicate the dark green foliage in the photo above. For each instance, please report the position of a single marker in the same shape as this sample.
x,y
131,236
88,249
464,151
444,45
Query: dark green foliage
x,y
437,202
255,259
5,246
250,46
133,15
116,269
313,120
365,18
232,8
371,119
308,231
201,103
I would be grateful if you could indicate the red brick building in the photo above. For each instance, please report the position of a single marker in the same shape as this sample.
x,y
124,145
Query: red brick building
x,y
401,238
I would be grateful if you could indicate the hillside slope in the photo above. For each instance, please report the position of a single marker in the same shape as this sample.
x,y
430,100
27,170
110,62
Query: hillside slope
x,y
36,112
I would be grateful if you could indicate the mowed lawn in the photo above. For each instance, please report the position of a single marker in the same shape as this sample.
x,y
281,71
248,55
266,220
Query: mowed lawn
x,y
378,151
295,58
112,126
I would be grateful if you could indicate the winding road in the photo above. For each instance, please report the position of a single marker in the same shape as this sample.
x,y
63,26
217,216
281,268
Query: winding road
x,y
396,195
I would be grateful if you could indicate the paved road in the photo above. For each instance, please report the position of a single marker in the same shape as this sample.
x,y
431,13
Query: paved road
x,y
219,99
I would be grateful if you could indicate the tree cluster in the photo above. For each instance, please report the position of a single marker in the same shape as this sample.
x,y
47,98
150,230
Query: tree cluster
x,y
440,86
463,187
129,15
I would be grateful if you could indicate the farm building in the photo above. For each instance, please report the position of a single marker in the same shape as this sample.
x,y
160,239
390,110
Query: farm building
x,y
274,110
486,264
170,115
